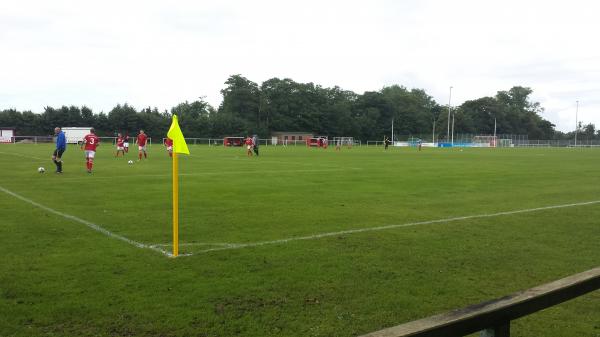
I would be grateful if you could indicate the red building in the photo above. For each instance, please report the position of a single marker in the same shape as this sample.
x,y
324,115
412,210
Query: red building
x,y
284,137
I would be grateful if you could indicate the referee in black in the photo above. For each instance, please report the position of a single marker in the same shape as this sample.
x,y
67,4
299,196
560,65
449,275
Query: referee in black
x,y
255,143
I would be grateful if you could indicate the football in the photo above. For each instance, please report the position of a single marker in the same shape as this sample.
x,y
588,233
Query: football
x,y
130,162
41,169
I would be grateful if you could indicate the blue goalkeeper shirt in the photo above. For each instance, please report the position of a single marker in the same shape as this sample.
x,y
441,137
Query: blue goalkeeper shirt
x,y
61,141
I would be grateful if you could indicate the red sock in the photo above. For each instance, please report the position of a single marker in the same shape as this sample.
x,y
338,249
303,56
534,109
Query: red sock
x,y
145,155
140,156
91,164
87,164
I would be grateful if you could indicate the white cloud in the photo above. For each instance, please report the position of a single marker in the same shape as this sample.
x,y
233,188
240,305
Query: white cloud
x,y
154,53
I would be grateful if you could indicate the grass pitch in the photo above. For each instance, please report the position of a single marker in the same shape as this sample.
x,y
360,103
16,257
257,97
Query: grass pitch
x,y
247,272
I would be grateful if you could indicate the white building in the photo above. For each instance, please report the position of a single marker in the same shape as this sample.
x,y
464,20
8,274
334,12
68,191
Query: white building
x,y
75,135
6,135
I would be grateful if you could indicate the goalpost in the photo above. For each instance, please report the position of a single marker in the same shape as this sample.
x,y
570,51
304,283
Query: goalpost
x,y
485,141
504,142
343,141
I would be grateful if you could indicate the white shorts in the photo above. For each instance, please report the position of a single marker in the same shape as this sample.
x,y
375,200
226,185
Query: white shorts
x,y
120,148
126,144
142,148
169,148
249,147
90,154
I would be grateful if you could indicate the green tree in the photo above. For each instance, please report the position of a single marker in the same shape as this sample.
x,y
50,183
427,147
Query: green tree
x,y
513,112
588,131
123,118
241,99
194,118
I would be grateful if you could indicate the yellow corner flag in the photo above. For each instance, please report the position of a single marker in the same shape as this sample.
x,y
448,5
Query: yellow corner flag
x,y
179,146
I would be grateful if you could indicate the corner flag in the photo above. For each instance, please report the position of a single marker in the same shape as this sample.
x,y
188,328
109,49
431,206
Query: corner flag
x,y
179,146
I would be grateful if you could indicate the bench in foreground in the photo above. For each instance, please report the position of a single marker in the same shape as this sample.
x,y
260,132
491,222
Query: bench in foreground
x,y
493,318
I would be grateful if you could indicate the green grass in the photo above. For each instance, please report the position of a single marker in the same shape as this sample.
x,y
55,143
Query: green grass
x,y
60,278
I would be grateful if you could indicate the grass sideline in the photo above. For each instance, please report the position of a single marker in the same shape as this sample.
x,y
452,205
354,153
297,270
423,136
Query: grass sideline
x,y
59,278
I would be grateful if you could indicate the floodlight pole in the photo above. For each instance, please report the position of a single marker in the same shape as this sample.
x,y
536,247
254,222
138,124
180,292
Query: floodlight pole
x,y
449,100
495,140
576,122
433,133
453,128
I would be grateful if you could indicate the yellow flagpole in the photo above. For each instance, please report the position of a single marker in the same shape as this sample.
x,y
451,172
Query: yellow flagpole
x,y
175,205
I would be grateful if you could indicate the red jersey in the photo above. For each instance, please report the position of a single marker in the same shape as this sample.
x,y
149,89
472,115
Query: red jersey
x,y
91,141
168,142
248,141
120,142
141,139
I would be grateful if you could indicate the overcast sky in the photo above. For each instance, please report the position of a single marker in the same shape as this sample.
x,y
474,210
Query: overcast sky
x,y
161,53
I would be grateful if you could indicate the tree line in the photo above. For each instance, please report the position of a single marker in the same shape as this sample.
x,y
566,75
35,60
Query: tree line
x,y
285,105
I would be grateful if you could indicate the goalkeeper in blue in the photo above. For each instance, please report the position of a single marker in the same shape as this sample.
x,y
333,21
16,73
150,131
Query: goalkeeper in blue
x,y
61,146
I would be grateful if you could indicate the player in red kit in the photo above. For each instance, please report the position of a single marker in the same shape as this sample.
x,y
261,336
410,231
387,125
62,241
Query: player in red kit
x,y
249,144
141,141
120,146
169,145
90,142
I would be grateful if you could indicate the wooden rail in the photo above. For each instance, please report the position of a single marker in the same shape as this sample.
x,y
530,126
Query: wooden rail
x,y
493,318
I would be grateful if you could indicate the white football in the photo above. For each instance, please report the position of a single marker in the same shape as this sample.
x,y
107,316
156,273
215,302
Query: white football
x,y
41,169
130,162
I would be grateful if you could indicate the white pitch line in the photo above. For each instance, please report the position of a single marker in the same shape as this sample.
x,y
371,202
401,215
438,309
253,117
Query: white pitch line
x,y
85,222
270,172
229,246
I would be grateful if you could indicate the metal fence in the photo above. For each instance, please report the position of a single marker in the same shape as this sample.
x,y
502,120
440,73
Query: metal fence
x,y
512,141
265,142
456,138
52,139
558,143
502,140
32,139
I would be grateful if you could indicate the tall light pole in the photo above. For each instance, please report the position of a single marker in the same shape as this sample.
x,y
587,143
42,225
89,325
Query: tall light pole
x,y
453,128
449,100
433,133
576,122
495,140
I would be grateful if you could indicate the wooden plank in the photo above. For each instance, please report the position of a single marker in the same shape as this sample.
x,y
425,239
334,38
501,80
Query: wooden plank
x,y
497,312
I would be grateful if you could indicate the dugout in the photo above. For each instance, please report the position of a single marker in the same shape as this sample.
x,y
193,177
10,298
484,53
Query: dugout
x,y
318,141
233,141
